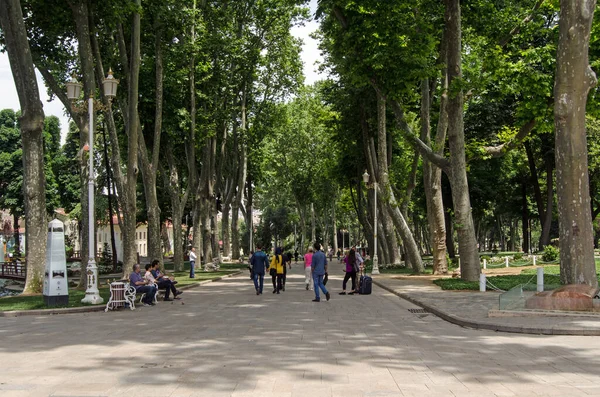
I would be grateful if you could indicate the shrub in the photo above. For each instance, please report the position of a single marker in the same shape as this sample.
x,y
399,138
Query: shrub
x,y
518,256
551,253
486,257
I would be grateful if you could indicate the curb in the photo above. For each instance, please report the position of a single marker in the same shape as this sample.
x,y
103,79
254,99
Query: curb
x,y
98,308
463,322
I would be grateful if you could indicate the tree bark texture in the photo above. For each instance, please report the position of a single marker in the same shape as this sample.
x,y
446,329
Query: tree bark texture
x,y
463,218
432,178
573,81
149,166
32,125
129,206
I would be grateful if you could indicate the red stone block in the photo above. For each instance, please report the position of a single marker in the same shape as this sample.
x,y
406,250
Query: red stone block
x,y
572,297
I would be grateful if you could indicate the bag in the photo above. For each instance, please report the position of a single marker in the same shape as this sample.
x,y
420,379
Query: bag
x,y
365,285
273,272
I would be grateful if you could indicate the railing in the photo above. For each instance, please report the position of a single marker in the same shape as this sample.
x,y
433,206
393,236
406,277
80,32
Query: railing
x,y
13,271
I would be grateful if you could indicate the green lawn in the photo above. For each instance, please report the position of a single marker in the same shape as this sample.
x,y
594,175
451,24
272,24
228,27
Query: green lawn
x,y
33,302
75,296
551,278
502,282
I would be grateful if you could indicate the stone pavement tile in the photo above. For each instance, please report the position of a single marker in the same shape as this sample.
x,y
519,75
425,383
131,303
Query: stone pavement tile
x,y
15,393
299,390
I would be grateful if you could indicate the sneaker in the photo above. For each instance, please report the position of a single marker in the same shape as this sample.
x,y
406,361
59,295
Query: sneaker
x,y
152,304
274,291
257,293
283,289
328,296
147,304
342,293
178,292
316,300
277,292
351,293
307,287
192,277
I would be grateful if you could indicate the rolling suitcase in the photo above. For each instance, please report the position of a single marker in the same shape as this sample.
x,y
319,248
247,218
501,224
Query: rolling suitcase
x,y
365,284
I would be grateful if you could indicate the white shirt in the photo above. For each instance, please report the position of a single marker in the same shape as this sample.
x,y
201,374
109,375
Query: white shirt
x,y
192,256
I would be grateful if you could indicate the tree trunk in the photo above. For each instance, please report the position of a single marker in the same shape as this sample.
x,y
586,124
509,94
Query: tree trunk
x,y
432,176
547,221
334,232
32,125
573,81
225,227
524,217
150,166
463,219
173,186
313,225
129,209
113,243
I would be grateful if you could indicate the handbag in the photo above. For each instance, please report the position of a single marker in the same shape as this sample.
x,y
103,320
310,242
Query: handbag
x,y
273,272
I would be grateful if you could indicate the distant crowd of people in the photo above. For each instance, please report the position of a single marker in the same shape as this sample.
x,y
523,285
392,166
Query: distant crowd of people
x,y
315,269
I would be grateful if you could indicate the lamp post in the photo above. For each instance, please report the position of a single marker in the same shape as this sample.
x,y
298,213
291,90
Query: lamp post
x,y
92,294
366,177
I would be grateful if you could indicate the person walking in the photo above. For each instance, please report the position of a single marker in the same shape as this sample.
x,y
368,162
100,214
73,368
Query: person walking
x,y
276,270
330,255
351,262
308,269
259,263
319,269
192,255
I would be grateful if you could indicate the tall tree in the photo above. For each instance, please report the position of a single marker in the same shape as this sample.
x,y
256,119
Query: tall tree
x,y
574,79
32,124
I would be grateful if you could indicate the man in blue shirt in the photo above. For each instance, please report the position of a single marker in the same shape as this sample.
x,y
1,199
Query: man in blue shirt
x,y
260,263
141,286
319,268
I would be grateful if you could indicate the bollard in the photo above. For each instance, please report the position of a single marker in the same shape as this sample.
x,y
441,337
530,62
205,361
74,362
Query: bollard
x,y
540,279
533,260
482,282
485,264
506,260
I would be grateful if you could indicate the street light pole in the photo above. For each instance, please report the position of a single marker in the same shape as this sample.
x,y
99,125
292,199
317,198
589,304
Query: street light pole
x,y
375,259
92,295
375,270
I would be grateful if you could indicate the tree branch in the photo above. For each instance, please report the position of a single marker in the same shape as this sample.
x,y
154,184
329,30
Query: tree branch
x,y
416,143
500,150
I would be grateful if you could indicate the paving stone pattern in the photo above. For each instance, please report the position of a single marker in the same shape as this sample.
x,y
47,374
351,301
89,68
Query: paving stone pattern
x,y
227,341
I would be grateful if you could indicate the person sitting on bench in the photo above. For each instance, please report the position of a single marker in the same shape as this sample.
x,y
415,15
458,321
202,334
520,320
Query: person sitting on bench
x,y
164,282
142,286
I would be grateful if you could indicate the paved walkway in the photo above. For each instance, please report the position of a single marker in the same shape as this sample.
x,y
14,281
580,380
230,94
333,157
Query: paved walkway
x,y
226,341
471,308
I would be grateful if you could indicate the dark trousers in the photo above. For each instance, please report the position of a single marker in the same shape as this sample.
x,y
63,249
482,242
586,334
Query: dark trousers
x,y
149,290
168,286
192,268
350,275
277,282
284,274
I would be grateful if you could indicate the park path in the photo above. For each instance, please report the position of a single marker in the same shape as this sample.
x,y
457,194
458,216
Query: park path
x,y
227,341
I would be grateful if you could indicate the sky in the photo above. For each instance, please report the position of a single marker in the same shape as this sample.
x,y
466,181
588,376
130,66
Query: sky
x,y
10,100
